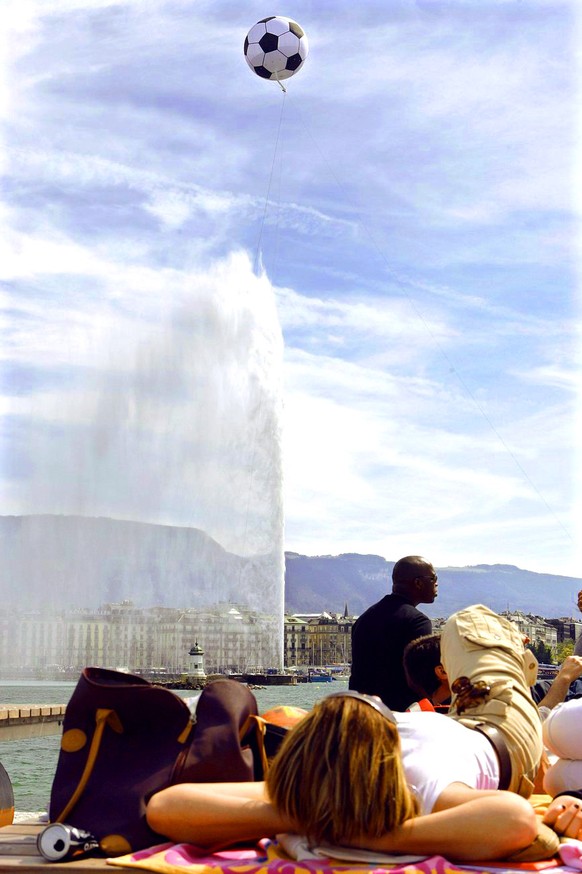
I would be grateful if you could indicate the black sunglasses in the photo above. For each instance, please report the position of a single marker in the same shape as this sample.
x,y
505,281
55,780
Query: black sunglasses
x,y
374,702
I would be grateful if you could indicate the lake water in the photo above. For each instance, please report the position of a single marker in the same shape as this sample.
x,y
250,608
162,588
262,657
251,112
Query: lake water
x,y
31,763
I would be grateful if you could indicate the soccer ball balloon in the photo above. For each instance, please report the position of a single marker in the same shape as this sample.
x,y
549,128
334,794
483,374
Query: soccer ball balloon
x,y
275,47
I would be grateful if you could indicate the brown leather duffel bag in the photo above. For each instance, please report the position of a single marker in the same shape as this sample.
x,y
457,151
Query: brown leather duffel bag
x,y
125,739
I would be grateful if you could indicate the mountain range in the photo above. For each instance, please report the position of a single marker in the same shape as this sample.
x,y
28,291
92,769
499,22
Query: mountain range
x,y
74,561
327,582
69,562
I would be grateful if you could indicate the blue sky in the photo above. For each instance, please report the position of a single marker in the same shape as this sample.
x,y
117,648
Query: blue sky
x,y
420,241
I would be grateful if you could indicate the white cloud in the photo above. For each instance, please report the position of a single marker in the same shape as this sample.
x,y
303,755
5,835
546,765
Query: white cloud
x,y
418,225
371,451
387,318
486,120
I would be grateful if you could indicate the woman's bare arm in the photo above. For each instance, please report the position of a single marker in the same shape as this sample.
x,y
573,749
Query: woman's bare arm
x,y
214,814
469,825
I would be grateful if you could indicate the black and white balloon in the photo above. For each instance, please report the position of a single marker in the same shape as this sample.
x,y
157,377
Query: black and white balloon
x,y
275,47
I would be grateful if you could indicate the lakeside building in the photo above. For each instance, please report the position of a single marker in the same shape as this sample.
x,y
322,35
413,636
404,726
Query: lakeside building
x,y
312,640
155,639
535,628
566,628
158,640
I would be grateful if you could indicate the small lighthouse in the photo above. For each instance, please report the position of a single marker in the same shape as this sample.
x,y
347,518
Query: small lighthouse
x,y
197,653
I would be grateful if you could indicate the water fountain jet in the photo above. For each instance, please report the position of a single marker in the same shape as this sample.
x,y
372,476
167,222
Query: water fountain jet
x,y
154,469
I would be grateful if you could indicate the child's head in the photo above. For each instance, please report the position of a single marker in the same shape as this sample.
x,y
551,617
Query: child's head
x,y
338,775
423,669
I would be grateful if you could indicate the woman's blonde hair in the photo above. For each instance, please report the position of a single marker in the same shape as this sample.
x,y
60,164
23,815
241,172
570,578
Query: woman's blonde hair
x,y
338,775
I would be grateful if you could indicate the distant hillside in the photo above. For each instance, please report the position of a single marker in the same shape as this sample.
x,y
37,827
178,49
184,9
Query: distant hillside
x,y
326,582
75,561
72,561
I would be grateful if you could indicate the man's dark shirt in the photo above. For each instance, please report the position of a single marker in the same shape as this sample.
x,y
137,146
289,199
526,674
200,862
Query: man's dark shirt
x,y
378,639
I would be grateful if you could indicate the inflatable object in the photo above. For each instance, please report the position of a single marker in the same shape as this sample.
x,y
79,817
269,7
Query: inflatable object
x,y
275,48
284,715
562,736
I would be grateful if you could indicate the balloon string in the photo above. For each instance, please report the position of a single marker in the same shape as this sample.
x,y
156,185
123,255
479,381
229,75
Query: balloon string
x,y
264,218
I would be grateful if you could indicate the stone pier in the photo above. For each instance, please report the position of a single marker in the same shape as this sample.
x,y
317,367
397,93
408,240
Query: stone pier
x,y
30,720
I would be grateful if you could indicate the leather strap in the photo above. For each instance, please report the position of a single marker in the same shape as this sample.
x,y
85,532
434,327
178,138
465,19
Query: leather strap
x,y
103,717
497,741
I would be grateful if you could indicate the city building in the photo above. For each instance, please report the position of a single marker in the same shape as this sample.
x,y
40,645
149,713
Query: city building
x,y
313,640
566,628
160,640
535,629
137,639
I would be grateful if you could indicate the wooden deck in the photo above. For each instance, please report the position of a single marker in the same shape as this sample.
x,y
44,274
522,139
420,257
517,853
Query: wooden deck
x,y
18,853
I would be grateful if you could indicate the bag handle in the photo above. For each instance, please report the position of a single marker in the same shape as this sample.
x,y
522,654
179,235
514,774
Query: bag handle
x,y
103,717
259,725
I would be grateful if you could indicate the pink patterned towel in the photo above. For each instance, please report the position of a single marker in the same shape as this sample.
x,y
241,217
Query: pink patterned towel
x,y
267,857
571,853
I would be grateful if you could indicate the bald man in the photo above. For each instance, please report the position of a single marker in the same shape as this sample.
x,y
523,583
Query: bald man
x,y
381,633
